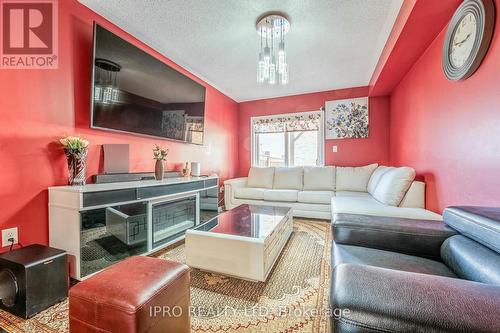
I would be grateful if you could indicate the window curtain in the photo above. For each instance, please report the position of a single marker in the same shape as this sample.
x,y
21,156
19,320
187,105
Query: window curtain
x,y
310,121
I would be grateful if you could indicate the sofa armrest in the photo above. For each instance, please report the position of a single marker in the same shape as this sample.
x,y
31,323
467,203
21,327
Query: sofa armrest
x,y
385,300
229,186
415,196
410,236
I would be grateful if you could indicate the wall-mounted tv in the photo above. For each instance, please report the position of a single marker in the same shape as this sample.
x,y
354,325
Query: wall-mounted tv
x,y
134,92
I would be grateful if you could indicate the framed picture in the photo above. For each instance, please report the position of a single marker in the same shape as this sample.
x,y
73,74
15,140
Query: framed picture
x,y
174,123
347,118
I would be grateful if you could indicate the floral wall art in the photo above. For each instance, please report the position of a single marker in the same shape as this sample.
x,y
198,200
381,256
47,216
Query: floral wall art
x,y
347,118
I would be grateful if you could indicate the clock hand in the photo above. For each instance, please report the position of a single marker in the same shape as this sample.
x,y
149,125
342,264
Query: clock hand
x,y
462,41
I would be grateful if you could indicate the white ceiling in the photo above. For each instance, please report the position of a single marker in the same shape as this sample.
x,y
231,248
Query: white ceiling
x,y
332,44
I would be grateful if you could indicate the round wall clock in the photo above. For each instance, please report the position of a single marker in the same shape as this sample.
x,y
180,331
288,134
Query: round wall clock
x,y
468,38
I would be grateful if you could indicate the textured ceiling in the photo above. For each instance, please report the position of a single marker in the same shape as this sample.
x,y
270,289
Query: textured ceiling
x,y
332,44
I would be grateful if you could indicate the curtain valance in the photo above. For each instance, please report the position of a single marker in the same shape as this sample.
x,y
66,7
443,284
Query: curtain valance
x,y
310,121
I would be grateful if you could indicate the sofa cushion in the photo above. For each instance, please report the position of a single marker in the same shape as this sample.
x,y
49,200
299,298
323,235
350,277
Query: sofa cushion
x,y
393,185
410,236
352,194
471,260
354,178
289,178
281,195
319,197
322,209
260,177
319,178
481,224
376,177
358,255
369,206
384,300
249,193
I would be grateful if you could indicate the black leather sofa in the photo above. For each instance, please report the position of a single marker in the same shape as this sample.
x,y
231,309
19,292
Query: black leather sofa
x,y
403,275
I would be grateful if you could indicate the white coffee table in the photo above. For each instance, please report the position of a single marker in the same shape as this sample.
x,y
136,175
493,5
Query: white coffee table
x,y
245,243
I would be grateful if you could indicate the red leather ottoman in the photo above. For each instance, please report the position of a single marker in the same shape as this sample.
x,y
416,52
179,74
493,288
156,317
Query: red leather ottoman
x,y
139,294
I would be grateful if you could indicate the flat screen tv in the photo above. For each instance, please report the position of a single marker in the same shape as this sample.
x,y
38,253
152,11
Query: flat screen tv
x,y
134,92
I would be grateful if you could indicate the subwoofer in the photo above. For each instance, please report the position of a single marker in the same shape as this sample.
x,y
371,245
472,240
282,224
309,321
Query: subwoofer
x,y
32,278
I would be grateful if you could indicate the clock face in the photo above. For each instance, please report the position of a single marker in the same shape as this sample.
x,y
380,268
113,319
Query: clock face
x,y
462,41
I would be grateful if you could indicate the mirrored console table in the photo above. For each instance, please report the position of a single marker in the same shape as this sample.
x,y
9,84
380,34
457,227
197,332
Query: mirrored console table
x,y
101,224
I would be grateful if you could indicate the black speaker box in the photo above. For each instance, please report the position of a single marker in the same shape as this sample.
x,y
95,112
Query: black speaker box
x,y
32,278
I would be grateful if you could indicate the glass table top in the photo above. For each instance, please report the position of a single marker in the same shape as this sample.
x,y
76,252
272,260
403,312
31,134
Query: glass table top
x,y
250,221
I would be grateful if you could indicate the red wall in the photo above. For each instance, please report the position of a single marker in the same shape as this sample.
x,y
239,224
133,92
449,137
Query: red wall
x,y
449,131
350,151
417,25
39,106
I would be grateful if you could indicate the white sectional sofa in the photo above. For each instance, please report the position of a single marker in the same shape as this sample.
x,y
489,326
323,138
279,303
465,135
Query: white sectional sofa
x,y
319,192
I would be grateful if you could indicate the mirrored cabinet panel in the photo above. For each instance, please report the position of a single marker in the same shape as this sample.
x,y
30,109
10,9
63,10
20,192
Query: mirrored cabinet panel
x,y
171,218
209,204
111,234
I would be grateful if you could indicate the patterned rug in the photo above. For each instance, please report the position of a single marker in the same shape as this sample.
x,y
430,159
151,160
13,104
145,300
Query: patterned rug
x,y
293,299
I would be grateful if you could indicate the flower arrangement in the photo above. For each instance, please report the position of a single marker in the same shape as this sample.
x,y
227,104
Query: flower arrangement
x,y
160,153
76,150
74,143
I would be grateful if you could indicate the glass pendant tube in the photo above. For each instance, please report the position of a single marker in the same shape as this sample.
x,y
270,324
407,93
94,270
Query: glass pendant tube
x,y
267,56
260,63
115,93
260,69
272,73
281,57
284,75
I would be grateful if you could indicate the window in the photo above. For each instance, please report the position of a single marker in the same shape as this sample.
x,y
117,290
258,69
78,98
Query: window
x,y
288,140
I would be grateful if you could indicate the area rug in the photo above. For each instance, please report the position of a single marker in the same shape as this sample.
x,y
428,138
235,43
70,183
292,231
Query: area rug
x,y
293,299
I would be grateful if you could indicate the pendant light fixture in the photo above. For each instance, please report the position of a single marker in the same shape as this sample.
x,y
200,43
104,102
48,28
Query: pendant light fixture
x,y
105,88
272,66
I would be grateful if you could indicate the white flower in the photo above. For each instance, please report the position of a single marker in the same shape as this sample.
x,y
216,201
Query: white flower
x,y
74,143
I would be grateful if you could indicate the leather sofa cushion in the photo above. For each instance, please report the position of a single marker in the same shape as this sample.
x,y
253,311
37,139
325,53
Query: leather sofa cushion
x,y
410,236
376,177
393,185
471,260
319,178
481,224
289,178
260,177
354,178
249,193
349,254
281,195
383,300
369,206
319,197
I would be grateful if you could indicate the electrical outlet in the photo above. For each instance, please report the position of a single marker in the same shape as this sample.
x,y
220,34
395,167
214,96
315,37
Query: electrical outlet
x,y
334,149
9,233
